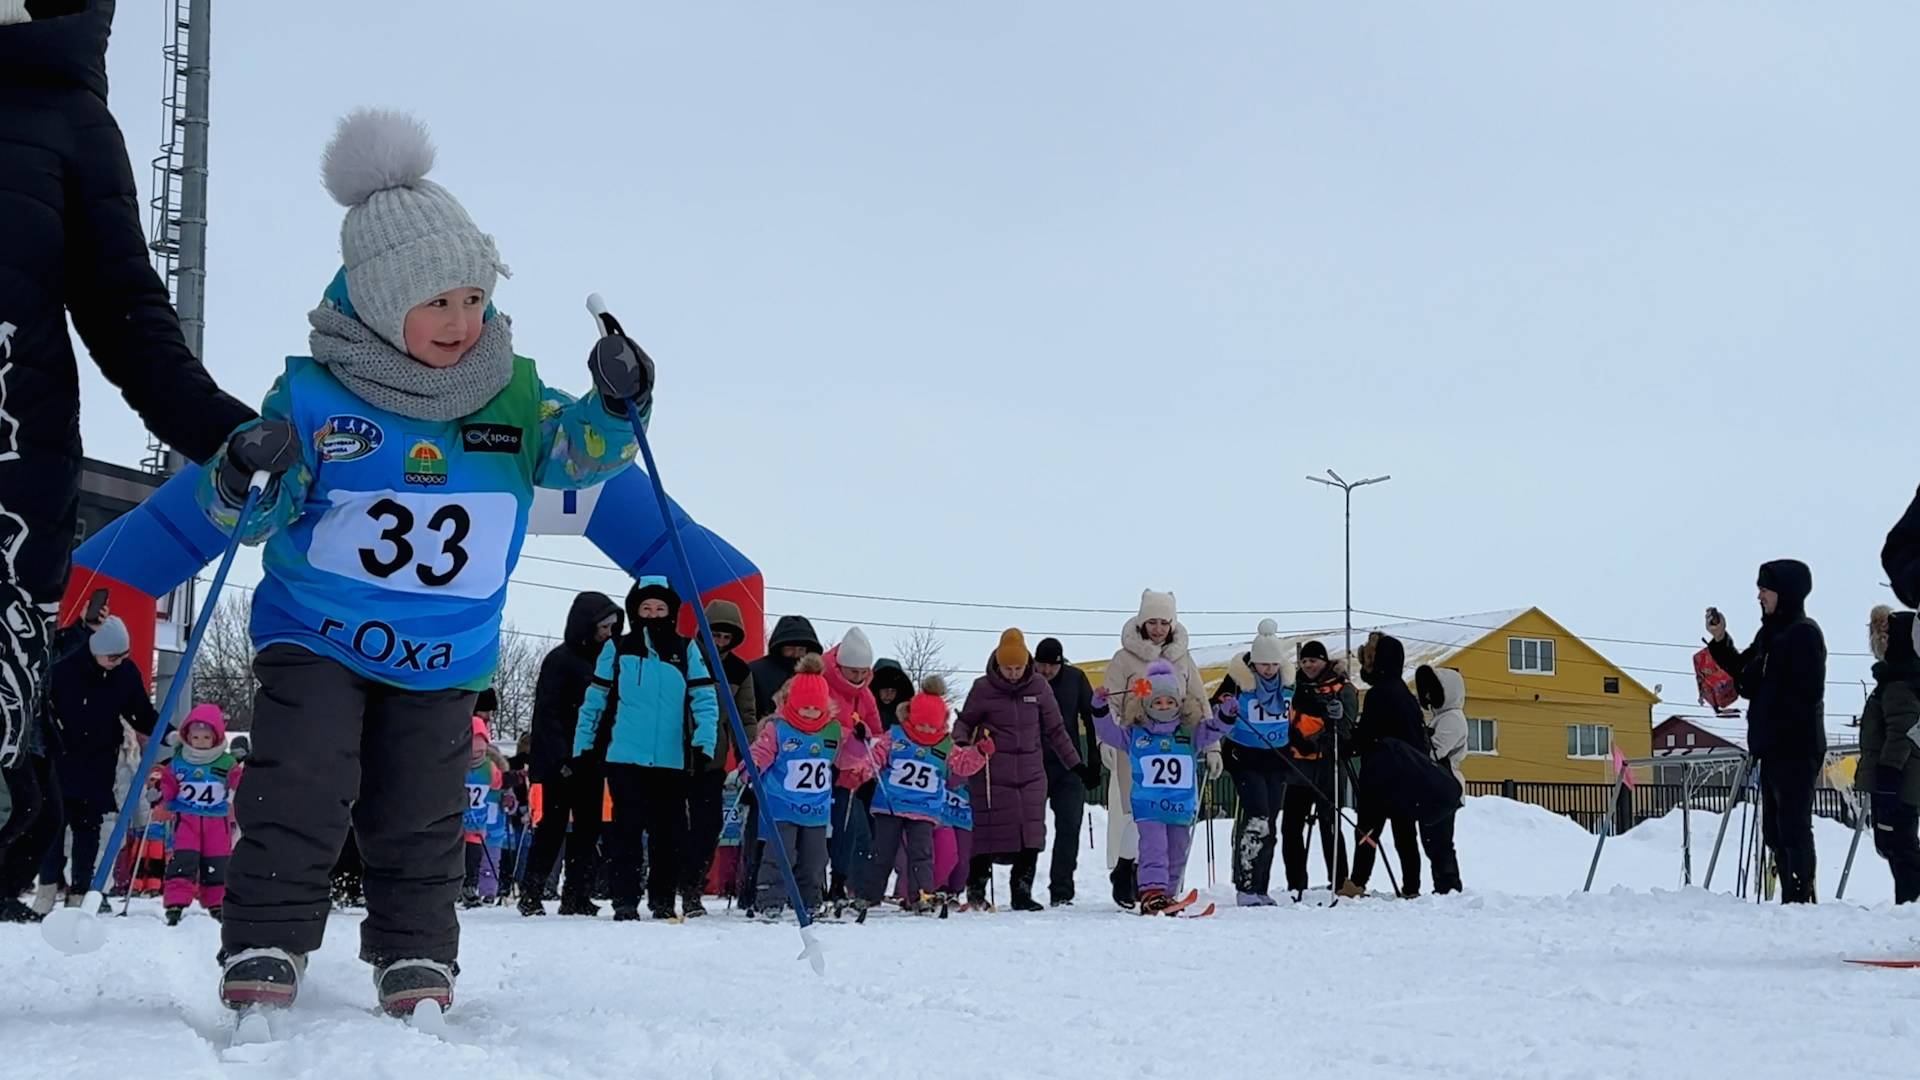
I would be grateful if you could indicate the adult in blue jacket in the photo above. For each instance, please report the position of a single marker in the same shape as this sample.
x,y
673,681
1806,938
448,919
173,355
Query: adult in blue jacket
x,y
651,698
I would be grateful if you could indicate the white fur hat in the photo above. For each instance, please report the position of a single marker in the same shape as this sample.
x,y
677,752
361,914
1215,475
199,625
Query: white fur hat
x,y
1156,605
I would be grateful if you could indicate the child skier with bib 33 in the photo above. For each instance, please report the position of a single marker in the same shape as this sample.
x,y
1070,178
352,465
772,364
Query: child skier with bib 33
x,y
915,762
797,752
197,791
1162,732
404,453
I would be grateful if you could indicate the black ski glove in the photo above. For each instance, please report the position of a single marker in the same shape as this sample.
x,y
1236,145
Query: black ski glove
x,y
270,446
1090,775
622,370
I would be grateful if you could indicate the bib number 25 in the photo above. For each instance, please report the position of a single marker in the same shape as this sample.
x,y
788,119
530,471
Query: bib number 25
x,y
438,544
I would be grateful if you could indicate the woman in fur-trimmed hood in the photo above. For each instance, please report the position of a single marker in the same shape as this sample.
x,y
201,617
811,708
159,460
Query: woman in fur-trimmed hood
x,y
1153,633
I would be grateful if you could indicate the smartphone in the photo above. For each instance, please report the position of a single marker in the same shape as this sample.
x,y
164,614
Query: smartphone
x,y
95,605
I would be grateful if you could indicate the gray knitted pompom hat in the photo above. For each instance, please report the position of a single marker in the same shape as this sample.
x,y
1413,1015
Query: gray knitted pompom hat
x,y
406,239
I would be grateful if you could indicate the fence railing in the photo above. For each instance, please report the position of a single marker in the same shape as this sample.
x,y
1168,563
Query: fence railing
x,y
1587,803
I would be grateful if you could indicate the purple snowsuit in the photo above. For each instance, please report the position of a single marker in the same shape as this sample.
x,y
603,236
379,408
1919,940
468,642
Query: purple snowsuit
x,y
1163,847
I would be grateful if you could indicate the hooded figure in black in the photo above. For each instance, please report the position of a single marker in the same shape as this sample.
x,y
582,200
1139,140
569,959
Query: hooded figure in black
x,y
71,246
1390,714
1783,676
570,787
1889,767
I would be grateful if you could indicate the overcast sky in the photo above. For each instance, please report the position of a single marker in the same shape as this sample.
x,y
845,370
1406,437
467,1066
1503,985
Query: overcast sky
x,y
1044,303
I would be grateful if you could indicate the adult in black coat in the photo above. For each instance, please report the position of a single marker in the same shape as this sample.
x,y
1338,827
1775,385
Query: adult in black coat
x,y
1389,714
1783,676
570,788
72,246
1900,556
793,637
95,692
1067,786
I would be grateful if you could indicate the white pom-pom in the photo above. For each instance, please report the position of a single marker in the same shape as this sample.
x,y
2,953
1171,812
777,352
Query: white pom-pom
x,y
374,150
1268,628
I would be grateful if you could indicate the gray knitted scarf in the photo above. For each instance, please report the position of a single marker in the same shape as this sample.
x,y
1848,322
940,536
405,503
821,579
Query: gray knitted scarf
x,y
386,378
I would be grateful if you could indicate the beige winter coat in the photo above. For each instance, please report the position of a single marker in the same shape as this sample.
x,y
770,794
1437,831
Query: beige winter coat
x,y
1129,664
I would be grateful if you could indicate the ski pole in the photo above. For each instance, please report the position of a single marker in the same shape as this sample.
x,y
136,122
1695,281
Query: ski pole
x,y
78,930
610,327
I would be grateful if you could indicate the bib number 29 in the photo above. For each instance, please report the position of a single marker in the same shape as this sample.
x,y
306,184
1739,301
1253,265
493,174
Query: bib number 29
x,y
1164,770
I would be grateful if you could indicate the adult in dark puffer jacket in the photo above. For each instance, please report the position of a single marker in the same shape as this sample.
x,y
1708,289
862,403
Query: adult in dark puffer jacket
x,y
1389,713
1783,676
570,787
707,773
72,247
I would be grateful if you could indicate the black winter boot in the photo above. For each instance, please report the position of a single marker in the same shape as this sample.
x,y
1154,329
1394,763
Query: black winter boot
x,y
1025,865
1125,887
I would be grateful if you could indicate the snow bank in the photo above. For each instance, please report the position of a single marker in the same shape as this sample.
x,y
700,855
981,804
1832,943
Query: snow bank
x,y
1522,977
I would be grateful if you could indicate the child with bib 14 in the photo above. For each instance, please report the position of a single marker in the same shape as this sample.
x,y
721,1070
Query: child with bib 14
x,y
404,454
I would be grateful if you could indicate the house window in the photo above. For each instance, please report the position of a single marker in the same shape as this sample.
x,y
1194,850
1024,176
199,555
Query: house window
x,y
1589,740
1670,739
1480,737
1530,656
1689,739
1610,685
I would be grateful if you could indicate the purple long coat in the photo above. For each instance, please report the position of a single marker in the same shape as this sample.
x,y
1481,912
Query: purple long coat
x,y
1019,715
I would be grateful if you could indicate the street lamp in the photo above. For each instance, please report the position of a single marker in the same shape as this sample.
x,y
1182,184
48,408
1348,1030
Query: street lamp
x,y
1347,488
1339,764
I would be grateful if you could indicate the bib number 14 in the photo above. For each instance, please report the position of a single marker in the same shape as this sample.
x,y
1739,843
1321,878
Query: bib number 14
x,y
428,543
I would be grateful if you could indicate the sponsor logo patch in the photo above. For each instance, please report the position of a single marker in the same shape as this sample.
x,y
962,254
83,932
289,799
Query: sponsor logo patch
x,y
426,463
347,438
490,438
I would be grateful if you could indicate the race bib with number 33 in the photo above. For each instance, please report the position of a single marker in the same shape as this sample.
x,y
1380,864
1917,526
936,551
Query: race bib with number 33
x,y
431,543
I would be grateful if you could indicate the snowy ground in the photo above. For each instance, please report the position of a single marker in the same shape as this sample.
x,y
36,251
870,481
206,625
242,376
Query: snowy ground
x,y
1519,978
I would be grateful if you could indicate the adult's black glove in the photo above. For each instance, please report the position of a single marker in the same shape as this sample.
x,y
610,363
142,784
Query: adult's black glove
x,y
1090,775
1886,780
621,371
270,446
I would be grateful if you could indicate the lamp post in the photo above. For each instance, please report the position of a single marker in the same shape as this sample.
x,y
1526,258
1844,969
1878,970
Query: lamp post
x,y
1347,487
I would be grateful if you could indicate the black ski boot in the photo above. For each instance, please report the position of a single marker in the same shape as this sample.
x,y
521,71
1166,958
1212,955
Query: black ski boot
x,y
174,911
404,985
264,978
579,905
692,905
626,912
1125,887
13,911
530,904
1021,881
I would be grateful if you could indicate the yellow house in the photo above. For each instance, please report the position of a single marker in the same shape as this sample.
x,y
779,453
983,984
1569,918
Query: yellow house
x,y
1542,705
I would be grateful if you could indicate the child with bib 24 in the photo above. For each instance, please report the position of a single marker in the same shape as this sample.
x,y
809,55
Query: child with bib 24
x,y
404,454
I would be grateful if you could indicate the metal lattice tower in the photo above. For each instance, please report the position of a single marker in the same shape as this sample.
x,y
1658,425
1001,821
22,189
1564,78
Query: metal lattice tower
x,y
178,224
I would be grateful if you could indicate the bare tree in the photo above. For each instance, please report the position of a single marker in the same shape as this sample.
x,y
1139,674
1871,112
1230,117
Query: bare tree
x,y
223,670
514,681
923,653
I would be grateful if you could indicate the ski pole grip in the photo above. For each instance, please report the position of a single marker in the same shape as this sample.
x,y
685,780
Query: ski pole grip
x,y
603,319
